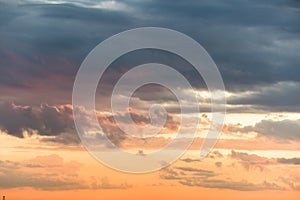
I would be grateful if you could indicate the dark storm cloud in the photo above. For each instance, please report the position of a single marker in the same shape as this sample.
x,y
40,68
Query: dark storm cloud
x,y
254,43
249,40
35,37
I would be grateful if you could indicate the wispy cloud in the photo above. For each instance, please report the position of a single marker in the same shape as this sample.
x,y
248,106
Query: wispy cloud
x,y
50,172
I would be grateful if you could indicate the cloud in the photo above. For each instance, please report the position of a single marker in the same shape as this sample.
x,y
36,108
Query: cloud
x,y
197,172
222,29
272,97
233,185
286,129
219,175
215,154
189,160
67,138
44,120
50,172
43,172
218,164
293,161
209,179
140,119
178,173
252,45
55,125
292,182
104,183
170,174
252,161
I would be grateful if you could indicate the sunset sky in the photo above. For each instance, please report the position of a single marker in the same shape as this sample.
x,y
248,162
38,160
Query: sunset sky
x,y
255,45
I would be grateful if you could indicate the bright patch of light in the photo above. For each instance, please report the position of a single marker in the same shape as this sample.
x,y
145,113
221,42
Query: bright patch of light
x,y
106,4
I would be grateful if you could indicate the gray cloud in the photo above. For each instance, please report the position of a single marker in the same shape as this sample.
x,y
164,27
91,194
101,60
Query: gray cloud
x,y
282,96
286,129
45,120
179,172
197,172
189,160
293,161
55,123
279,129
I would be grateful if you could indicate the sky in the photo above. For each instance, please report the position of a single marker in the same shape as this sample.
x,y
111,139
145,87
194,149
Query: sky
x,y
255,45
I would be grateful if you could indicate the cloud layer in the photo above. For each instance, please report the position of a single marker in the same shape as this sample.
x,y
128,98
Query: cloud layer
x,y
44,42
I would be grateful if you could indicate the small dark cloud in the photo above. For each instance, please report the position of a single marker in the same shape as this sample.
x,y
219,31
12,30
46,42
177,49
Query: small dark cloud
x,y
141,153
189,160
215,154
218,164
292,161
